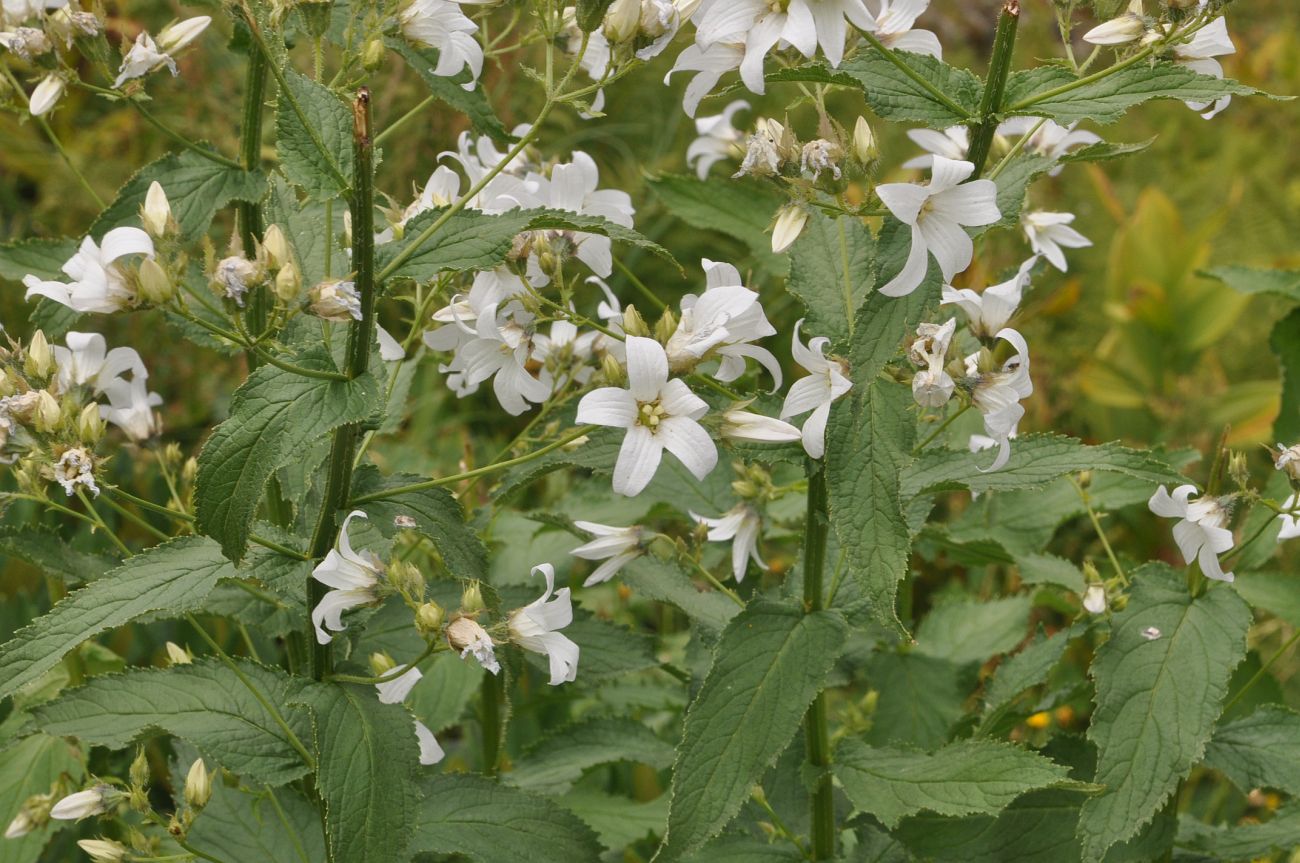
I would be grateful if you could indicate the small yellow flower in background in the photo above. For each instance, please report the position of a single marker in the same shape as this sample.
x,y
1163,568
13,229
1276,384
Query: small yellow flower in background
x,y
1040,720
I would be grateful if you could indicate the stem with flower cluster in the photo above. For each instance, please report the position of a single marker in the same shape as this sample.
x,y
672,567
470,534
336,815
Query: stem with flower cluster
x,y
816,732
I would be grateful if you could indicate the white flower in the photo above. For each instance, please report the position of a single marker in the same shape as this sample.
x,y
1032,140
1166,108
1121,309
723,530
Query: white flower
x,y
711,64
1198,54
465,634
1094,598
1288,459
742,425
390,349
565,352
721,322
989,312
790,221
1051,138
144,57
1201,533
894,28
537,626
932,386
76,467
617,546
103,850
93,801
952,143
352,577
573,187
430,751
1049,233
22,824
442,25
717,140
18,11
761,24
176,36
658,414
827,381
1290,522
46,95
131,408
491,288
997,395
25,42
87,360
741,525
938,214
396,690
500,351
1120,30
98,284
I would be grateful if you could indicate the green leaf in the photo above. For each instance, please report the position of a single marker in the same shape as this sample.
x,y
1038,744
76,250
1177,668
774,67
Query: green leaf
x,y
1261,750
1277,592
666,581
204,703
1027,668
1036,828
313,130
769,664
598,453
741,210
48,552
972,631
1285,342
472,103
1041,92
438,517
744,849
950,96
196,189
974,776
1281,833
590,14
274,416
242,825
43,257
471,240
366,761
619,821
492,823
1246,280
830,272
1036,460
1050,569
309,231
920,698
1157,697
608,648
557,761
173,577
31,766
446,689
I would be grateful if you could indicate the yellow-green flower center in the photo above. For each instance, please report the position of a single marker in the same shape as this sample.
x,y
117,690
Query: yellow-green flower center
x,y
650,414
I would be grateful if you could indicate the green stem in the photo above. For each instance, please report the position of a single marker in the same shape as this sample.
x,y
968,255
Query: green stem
x,y
400,121
934,434
101,524
492,689
249,212
718,585
137,520
1259,675
433,647
1016,149
1004,44
640,285
210,155
1101,533
816,732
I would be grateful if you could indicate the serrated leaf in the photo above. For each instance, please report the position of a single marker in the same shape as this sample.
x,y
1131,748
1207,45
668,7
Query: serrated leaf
x,y
949,96
668,582
1036,460
769,664
43,257
471,240
619,821
920,698
1247,280
438,517
1261,750
313,130
48,552
447,687
31,766
472,103
608,649
243,825
557,761
491,823
1027,668
309,232
204,703
1050,569
196,189
972,631
174,577
1285,342
744,849
1036,828
741,210
830,272
274,417
366,760
598,453
1157,697
975,776
1040,92
1243,842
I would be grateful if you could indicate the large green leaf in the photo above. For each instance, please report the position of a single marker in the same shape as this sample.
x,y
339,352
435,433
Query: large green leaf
x,y
309,231
1244,842
1285,342
274,416
666,581
196,189
313,130
492,823
1027,668
1248,280
555,762
472,103
921,698
1048,91
244,825
174,577
1261,750
1161,679
972,631
770,662
973,776
205,703
830,272
46,551
43,257
446,689
438,517
366,761
29,767
741,210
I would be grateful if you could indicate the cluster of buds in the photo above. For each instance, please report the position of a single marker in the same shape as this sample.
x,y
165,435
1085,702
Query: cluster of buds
x,y
281,265
641,28
38,35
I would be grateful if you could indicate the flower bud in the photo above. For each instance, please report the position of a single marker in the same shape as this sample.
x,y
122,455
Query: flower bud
x,y
464,633
39,362
407,579
95,800
373,56
666,326
790,220
179,34
429,618
156,214
288,282
611,370
633,323
48,415
277,247
155,286
381,663
178,655
1238,469
622,21
864,142
1094,598
336,301
139,771
1118,31
741,425
46,95
198,785
103,850
34,814
471,599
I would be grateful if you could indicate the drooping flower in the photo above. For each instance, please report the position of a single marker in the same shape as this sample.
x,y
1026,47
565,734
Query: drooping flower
x,y
76,467
741,526
146,55
1198,54
894,28
95,800
709,64
932,386
717,139
616,546
989,311
938,214
997,395
441,24
722,322
464,634
537,626
1049,233
826,381
1121,29
766,149
1201,533
1047,137
87,360
352,577
98,283
658,414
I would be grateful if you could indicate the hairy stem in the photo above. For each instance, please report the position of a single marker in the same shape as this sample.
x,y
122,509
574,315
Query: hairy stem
x,y
492,691
1004,44
816,733
248,212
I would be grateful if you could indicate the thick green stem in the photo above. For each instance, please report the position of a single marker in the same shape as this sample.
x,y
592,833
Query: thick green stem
x,y
492,691
249,213
816,732
361,335
1004,44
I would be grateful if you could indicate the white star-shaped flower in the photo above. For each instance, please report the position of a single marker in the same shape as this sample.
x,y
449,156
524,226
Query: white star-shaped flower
x,y
616,546
537,626
1049,233
352,577
741,526
826,381
98,284
989,311
1201,533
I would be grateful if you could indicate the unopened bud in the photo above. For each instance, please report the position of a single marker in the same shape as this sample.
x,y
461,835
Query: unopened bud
x,y
622,21
155,287
465,633
373,55
156,214
381,663
139,771
40,359
178,655
471,599
46,95
103,850
277,247
611,370
407,579
790,220
429,618
633,323
48,415
288,282
666,326
865,148
662,548
1238,469
189,470
198,785
179,34
1094,598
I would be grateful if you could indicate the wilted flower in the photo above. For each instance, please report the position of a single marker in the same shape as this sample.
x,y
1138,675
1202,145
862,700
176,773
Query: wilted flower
x,y
336,300
766,149
537,626
1201,533
465,635
827,381
25,42
1288,459
352,575
235,275
741,525
821,155
76,467
932,386
143,58
98,284
616,546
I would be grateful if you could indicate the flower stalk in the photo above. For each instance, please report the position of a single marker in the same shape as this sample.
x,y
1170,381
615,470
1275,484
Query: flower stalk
x,y
816,732
248,212
1004,44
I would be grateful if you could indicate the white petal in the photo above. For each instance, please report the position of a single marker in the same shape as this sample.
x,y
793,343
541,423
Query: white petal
x,y
638,459
687,439
647,368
